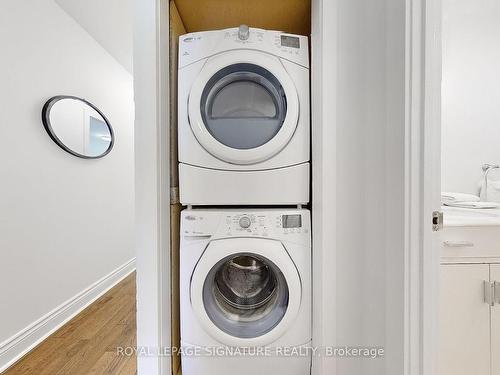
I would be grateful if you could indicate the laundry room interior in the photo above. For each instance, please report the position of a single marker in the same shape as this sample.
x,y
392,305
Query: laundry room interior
x,y
190,17
351,84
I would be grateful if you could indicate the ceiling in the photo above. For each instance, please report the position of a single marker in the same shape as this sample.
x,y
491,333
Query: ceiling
x,y
109,22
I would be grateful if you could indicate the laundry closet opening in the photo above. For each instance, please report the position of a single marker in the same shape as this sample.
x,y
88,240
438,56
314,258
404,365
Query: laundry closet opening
x,y
187,16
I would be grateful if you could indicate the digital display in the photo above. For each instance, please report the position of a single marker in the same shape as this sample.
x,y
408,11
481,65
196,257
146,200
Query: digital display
x,y
290,41
292,221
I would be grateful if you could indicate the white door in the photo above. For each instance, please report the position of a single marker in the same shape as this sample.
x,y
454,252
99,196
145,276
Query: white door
x,y
495,323
243,107
464,320
245,291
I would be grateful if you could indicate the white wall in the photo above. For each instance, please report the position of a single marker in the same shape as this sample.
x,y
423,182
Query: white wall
x,y
109,22
470,91
65,222
358,183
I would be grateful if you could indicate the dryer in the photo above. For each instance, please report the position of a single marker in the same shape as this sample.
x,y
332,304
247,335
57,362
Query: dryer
x,y
243,117
245,292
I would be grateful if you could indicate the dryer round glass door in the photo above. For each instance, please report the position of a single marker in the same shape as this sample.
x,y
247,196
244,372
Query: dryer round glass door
x,y
245,295
243,107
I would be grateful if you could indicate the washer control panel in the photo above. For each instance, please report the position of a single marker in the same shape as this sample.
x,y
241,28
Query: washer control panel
x,y
263,224
238,224
292,224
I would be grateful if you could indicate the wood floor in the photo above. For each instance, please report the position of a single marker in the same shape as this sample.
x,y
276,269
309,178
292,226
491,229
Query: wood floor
x,y
89,343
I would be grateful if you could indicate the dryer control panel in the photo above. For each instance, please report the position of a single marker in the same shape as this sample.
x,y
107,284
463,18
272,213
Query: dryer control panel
x,y
201,45
291,224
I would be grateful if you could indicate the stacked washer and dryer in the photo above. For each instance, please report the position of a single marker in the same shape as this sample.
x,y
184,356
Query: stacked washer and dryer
x,y
244,143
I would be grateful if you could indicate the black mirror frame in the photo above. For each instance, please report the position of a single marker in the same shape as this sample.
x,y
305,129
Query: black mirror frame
x,y
46,124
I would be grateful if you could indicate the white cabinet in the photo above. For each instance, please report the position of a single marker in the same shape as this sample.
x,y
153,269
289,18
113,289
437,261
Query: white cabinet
x,y
464,320
469,327
495,322
470,245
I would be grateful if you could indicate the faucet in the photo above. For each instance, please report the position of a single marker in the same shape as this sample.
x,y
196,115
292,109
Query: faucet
x,y
487,168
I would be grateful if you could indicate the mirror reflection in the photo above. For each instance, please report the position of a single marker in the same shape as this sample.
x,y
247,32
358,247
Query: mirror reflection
x,y
78,127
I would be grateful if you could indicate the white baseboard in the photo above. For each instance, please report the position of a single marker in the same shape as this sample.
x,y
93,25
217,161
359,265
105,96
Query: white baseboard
x,y
25,340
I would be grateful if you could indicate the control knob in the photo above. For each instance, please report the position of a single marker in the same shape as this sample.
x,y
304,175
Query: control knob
x,y
245,222
243,32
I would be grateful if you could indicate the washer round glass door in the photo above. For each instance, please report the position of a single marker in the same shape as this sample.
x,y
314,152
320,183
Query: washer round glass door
x,y
241,294
245,295
243,108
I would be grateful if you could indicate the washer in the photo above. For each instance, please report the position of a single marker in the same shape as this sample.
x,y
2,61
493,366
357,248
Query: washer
x,y
243,111
245,292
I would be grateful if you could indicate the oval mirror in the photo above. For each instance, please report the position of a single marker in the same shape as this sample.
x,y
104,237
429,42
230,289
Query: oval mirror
x,y
78,127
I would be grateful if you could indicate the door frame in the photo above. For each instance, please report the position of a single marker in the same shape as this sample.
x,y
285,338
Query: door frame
x,y
323,166
422,184
152,185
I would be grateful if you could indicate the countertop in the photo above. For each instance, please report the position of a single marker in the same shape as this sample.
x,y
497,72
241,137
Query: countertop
x,y
468,217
